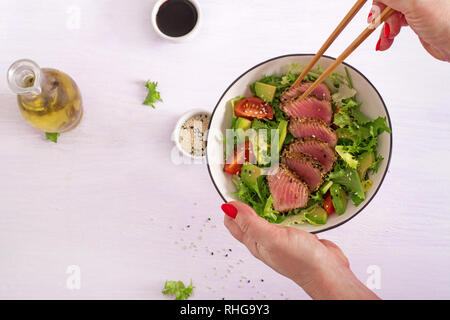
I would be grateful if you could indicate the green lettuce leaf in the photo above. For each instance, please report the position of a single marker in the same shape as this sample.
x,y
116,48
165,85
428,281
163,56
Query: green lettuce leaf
x,y
347,156
357,133
269,213
349,178
52,136
153,95
178,289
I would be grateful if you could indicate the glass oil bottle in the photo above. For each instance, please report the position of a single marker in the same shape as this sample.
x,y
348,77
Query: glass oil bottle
x,y
48,98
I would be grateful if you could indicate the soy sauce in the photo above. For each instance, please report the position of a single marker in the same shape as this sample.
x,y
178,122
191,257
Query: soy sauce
x,y
176,18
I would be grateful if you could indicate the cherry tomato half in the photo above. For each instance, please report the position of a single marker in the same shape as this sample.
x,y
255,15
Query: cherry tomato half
x,y
253,108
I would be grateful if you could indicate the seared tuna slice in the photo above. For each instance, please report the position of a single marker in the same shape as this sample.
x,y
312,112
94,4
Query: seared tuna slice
x,y
321,92
287,190
320,150
309,108
314,128
306,167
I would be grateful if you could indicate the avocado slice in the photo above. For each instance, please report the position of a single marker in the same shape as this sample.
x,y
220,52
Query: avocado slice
x,y
236,100
262,154
282,131
233,103
367,185
242,123
339,198
325,187
260,148
293,220
365,161
250,174
316,215
265,91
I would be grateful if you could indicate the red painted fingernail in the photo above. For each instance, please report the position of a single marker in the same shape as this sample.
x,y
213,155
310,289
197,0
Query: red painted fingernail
x,y
369,20
378,45
387,30
229,210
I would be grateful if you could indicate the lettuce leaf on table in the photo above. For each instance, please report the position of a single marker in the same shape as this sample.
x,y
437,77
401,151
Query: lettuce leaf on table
x,y
178,289
153,95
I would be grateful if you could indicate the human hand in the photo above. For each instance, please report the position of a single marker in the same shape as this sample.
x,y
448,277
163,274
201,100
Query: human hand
x,y
318,266
429,19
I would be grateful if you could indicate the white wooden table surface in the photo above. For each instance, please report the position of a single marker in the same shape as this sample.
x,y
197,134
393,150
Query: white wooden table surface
x,y
108,199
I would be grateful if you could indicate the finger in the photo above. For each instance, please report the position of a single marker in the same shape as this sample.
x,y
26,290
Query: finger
x,y
236,232
393,25
399,5
248,228
375,11
384,43
332,246
233,228
254,228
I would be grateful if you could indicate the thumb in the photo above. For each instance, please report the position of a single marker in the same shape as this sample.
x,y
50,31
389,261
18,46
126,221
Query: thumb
x,y
249,228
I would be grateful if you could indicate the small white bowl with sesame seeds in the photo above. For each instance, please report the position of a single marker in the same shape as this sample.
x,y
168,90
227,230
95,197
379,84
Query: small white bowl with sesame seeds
x,y
190,132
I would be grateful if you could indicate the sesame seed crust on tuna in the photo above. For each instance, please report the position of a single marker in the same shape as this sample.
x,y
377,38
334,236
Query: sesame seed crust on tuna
x,y
293,177
295,155
322,91
309,127
310,107
313,163
323,152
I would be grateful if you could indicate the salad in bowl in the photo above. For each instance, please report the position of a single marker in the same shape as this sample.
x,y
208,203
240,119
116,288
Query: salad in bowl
x,y
302,162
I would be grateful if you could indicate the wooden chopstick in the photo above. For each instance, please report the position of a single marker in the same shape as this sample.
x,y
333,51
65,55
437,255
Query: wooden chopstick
x,y
350,15
355,44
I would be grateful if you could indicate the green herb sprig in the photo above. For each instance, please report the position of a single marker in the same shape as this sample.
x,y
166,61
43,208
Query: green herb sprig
x,y
153,95
178,289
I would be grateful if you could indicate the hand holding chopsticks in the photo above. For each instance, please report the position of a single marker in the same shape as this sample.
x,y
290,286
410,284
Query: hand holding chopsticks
x,y
387,12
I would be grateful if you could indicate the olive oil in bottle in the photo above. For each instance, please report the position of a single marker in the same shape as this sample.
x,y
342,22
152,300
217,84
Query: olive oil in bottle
x,y
48,99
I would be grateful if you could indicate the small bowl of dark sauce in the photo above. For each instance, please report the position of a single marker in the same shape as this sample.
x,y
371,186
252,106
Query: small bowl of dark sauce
x,y
176,20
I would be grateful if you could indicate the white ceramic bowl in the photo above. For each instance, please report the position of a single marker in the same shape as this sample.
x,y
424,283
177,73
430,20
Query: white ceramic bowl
x,y
187,36
177,130
372,105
